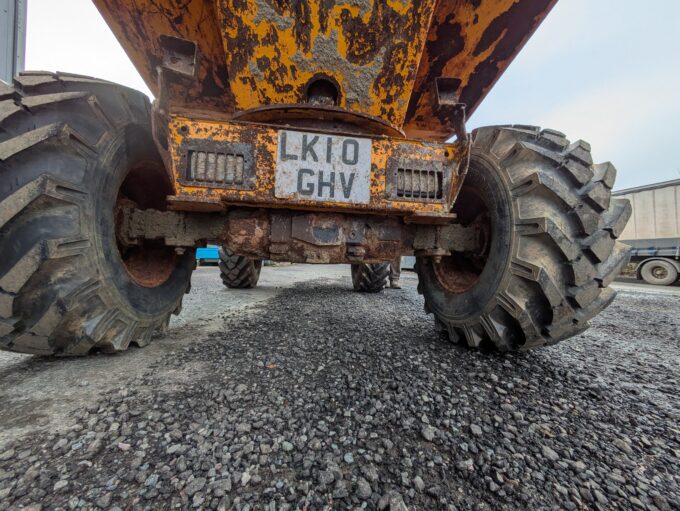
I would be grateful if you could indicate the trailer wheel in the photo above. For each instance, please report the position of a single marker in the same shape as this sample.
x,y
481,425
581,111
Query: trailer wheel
x,y
659,272
370,278
73,150
238,272
548,228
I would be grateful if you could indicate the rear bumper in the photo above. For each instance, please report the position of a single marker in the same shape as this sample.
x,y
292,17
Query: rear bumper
x,y
255,146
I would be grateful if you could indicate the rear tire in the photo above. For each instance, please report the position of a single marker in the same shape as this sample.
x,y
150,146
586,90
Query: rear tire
x,y
72,148
551,251
238,272
370,278
659,273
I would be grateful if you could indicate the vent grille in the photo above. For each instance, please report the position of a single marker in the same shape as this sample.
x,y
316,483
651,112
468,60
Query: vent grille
x,y
419,184
216,168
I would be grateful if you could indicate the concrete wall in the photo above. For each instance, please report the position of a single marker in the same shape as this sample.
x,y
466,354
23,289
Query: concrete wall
x,y
12,38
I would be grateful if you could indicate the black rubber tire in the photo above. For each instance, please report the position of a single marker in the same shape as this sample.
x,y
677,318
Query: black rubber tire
x,y
370,278
553,249
238,272
650,276
66,145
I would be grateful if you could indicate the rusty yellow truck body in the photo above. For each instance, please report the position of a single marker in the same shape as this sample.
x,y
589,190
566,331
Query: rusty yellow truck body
x,y
384,56
313,131
398,69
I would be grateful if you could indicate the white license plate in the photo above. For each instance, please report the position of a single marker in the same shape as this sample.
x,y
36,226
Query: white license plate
x,y
331,168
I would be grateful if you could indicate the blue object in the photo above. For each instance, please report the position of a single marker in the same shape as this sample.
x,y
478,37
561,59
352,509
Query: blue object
x,y
207,255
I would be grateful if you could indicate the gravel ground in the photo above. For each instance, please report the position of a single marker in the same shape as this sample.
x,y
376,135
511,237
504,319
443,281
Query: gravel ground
x,y
322,398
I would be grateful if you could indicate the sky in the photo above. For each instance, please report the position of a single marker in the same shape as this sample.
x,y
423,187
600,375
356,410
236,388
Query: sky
x,y
605,71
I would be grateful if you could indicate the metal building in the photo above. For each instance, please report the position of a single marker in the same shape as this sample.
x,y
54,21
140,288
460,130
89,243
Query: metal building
x,y
12,37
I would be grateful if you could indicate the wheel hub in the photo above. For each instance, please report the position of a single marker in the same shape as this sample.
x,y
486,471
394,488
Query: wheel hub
x,y
660,272
148,263
460,271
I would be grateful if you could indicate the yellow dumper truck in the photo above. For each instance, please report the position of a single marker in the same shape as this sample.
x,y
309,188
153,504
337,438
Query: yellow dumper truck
x,y
314,131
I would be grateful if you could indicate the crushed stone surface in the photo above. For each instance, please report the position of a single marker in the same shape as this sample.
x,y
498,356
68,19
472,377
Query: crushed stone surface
x,y
322,398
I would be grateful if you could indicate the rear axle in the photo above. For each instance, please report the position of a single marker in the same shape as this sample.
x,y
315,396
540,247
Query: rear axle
x,y
299,237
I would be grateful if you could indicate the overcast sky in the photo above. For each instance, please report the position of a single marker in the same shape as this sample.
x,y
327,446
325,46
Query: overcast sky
x,y
606,71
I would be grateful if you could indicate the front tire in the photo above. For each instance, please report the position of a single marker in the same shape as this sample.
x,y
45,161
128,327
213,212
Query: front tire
x,y
73,150
550,227
238,272
370,278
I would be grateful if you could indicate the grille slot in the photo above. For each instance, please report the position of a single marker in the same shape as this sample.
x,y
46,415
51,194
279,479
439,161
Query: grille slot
x,y
216,168
419,184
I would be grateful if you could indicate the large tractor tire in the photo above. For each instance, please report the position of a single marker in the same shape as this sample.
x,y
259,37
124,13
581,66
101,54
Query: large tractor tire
x,y
548,226
370,278
238,272
73,150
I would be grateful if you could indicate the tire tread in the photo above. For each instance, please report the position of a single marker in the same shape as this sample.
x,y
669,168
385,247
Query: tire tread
x,y
555,294
73,313
238,272
370,278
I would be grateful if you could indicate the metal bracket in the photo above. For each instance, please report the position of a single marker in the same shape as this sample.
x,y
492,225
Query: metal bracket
x,y
179,55
449,106
180,58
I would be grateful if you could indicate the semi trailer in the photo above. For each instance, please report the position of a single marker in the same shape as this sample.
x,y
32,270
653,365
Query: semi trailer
x,y
653,231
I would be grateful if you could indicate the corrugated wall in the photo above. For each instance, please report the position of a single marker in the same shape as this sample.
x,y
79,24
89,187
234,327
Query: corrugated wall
x,y
656,213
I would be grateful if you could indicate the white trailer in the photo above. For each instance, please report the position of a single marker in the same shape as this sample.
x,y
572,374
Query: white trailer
x,y
654,231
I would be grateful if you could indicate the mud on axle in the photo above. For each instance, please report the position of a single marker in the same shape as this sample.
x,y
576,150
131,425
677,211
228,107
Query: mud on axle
x,y
300,237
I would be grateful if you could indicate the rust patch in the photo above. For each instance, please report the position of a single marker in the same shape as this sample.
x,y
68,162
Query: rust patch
x,y
447,44
139,26
343,39
456,274
473,43
149,265
384,55
524,18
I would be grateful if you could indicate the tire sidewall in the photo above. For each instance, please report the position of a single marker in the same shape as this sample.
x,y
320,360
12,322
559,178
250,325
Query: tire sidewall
x,y
484,175
126,148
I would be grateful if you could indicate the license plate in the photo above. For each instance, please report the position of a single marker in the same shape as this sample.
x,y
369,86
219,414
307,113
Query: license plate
x,y
327,168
